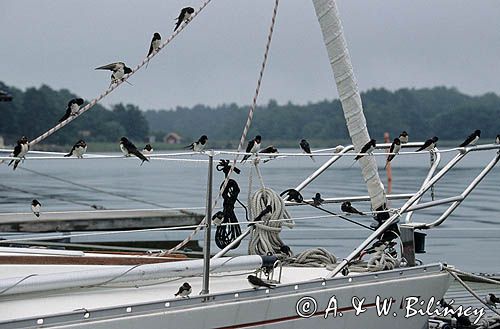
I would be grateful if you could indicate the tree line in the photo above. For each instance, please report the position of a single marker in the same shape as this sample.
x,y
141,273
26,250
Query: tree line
x,y
444,112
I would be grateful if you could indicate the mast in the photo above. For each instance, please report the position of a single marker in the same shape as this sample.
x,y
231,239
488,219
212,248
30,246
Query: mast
x,y
338,54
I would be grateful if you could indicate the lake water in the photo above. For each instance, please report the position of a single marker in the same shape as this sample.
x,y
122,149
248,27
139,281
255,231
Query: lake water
x,y
469,239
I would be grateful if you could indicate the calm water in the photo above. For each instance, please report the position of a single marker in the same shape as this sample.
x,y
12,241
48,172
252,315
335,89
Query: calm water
x,y
471,231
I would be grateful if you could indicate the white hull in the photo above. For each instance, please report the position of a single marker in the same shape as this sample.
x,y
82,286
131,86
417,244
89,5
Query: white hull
x,y
275,308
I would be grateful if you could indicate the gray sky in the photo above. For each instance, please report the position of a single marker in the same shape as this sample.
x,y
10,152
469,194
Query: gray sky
x,y
216,59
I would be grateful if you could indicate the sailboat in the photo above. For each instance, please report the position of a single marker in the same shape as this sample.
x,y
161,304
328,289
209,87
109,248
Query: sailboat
x,y
261,290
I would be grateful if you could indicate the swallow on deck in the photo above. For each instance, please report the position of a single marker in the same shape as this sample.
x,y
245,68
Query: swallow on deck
x,y
429,144
78,149
471,139
252,147
199,145
367,148
147,150
20,151
184,290
403,137
72,108
284,249
317,200
304,145
119,70
128,148
35,207
492,300
184,16
257,283
395,148
348,208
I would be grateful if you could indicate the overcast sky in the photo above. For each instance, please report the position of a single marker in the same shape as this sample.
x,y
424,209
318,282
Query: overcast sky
x,y
393,44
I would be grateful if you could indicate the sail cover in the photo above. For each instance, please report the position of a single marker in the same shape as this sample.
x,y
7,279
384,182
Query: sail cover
x,y
333,36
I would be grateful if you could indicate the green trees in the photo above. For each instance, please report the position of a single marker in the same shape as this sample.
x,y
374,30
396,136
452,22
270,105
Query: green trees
x,y
440,111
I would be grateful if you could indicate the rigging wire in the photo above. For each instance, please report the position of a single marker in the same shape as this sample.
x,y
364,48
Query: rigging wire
x,y
95,189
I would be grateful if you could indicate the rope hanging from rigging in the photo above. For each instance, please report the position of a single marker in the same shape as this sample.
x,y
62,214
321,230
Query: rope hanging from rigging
x,y
225,234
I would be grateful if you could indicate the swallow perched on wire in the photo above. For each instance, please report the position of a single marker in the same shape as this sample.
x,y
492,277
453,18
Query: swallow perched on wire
x,y
78,149
270,149
429,144
367,148
155,45
403,137
128,148
20,151
317,200
35,207
184,290
395,148
304,145
72,108
199,145
119,70
184,16
147,150
348,208
252,147
471,139
257,283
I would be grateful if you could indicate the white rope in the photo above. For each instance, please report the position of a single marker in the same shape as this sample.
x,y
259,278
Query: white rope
x,y
315,257
264,237
113,86
243,136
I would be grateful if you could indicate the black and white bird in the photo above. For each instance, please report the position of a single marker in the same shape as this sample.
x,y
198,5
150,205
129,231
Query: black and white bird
x,y
317,200
155,43
199,145
497,140
395,148
492,300
20,151
35,207
184,291
304,145
147,150
119,70
284,249
252,147
184,16
367,148
258,283
270,150
429,144
72,108
471,139
78,149
403,137
128,148
348,208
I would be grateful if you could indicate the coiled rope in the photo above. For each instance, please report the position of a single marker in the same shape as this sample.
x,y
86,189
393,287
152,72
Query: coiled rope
x,y
244,134
265,238
113,86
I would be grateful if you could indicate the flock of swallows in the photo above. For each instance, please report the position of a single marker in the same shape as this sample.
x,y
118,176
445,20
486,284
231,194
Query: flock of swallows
x,y
119,70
